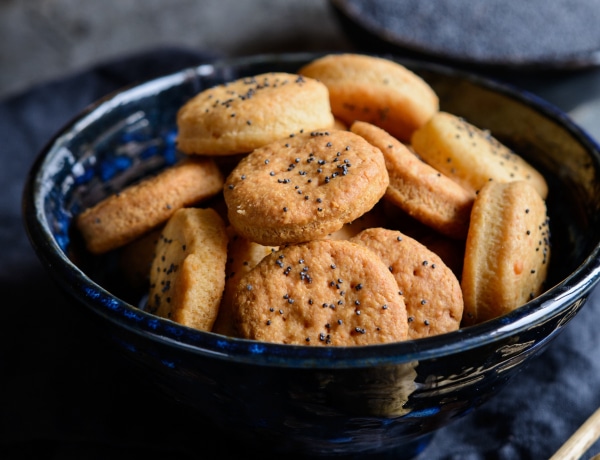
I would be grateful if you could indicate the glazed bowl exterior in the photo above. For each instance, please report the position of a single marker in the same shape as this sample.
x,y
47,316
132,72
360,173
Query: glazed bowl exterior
x,y
377,400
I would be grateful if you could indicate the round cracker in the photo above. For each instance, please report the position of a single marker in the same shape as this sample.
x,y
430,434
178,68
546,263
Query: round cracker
x,y
323,293
304,187
431,291
242,115
187,276
420,190
376,90
507,250
125,216
471,156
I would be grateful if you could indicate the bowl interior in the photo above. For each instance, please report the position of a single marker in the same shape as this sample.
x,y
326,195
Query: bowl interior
x,y
132,133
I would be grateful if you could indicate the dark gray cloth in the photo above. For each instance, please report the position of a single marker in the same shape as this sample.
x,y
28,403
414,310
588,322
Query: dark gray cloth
x,y
64,395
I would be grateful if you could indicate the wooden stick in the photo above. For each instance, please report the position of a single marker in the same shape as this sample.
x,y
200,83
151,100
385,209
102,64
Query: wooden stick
x,y
581,440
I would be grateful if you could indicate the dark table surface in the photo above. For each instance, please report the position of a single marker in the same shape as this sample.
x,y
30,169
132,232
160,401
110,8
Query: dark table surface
x,y
65,395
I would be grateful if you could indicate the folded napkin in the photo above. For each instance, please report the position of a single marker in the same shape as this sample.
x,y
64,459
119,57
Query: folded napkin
x,y
65,395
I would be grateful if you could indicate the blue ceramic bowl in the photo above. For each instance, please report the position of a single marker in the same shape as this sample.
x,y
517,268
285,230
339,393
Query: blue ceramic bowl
x,y
377,400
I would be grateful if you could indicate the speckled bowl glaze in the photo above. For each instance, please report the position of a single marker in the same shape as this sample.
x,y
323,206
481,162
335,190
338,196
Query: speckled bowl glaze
x,y
384,400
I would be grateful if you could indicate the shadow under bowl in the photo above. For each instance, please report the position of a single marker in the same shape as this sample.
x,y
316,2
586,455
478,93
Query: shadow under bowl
x,y
382,400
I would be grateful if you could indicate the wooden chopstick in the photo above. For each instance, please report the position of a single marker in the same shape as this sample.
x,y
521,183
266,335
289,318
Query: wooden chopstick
x,y
581,440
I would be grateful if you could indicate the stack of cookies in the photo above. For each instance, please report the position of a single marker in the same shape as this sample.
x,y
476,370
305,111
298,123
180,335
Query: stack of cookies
x,y
350,210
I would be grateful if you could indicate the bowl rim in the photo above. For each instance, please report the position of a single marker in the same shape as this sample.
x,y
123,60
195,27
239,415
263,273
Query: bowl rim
x,y
75,282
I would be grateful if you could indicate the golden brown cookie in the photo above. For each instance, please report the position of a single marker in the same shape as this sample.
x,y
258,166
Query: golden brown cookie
x,y
187,276
242,256
325,292
432,293
121,218
376,90
507,251
304,187
245,114
470,156
419,189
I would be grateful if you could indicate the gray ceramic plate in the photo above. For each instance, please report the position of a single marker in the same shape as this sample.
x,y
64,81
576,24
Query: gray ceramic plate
x,y
531,34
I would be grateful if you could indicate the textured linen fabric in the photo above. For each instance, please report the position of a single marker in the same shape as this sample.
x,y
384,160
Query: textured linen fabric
x,y
65,395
